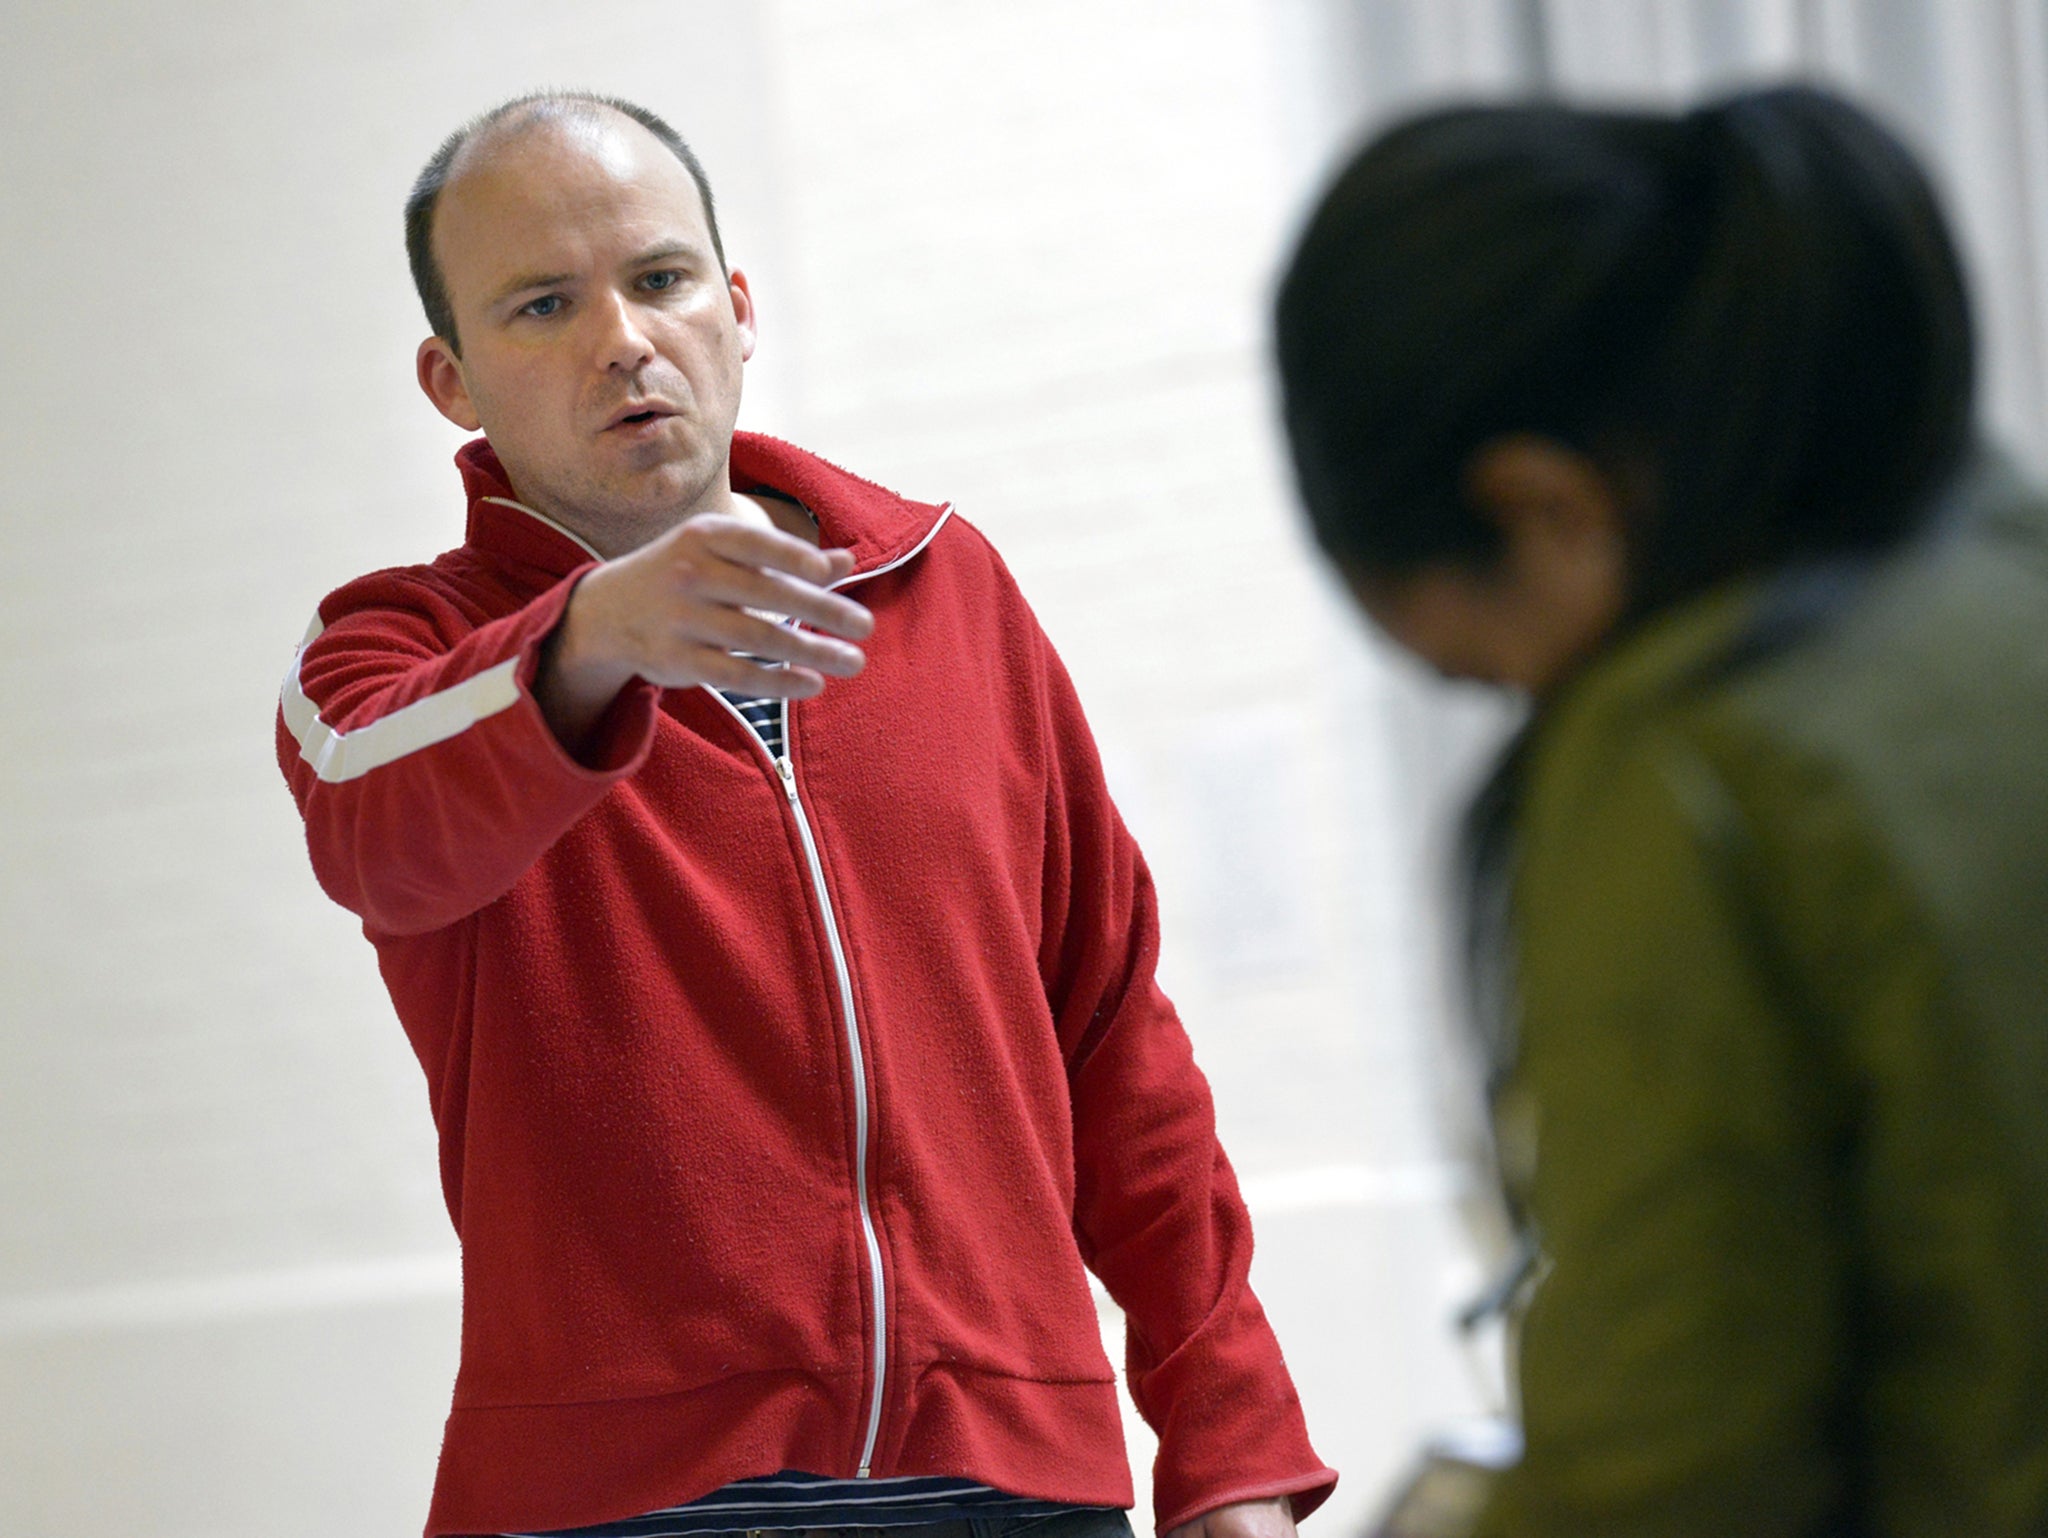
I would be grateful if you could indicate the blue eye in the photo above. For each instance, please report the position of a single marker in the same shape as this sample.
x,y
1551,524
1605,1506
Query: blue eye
x,y
661,280
542,307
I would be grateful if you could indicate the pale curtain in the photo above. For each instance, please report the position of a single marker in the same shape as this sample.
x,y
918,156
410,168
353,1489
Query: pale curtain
x,y
1966,82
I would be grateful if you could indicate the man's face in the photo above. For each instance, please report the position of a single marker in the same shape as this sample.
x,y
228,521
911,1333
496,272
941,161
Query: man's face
x,y
601,343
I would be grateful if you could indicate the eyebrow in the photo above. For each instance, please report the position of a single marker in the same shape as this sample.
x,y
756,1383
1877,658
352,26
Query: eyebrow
x,y
667,251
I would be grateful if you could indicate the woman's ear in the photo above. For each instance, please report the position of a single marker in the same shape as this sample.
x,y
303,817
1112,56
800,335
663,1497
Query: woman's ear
x,y
1563,566
1550,502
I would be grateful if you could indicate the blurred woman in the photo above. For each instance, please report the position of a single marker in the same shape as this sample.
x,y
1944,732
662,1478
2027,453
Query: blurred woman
x,y
1666,421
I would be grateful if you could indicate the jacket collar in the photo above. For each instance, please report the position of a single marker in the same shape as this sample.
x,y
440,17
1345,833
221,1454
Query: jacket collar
x,y
879,527
1718,634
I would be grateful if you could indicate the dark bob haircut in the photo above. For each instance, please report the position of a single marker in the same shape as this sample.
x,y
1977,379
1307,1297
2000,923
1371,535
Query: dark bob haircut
x,y
426,190
1751,315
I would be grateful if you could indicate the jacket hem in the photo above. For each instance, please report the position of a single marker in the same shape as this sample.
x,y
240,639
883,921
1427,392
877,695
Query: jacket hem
x,y
514,1468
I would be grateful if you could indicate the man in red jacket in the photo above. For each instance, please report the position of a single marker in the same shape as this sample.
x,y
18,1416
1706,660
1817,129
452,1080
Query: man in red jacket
x,y
793,1049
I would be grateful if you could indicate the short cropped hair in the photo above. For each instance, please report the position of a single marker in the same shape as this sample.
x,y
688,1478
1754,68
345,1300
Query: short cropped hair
x,y
426,189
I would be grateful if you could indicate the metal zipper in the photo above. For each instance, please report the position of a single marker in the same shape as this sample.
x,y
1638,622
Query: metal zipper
x,y
786,768
787,771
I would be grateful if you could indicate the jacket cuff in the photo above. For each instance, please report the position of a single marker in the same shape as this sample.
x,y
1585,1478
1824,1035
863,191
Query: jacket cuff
x,y
622,736
1233,1429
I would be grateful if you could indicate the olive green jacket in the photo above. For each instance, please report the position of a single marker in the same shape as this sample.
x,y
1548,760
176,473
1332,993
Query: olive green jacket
x,y
1776,1106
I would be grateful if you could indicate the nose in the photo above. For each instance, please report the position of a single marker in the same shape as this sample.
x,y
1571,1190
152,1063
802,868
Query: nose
x,y
622,343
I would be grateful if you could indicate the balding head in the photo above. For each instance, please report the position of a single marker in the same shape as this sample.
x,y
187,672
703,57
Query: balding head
x,y
481,139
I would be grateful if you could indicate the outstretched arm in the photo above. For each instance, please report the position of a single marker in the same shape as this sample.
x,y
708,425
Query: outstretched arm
x,y
435,757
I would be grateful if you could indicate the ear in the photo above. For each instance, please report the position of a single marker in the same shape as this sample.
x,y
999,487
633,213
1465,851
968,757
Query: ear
x,y
743,311
440,376
1561,584
1552,504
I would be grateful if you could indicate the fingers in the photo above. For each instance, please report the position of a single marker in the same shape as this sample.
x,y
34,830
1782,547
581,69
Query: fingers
x,y
743,566
770,591
705,604
751,680
749,544
763,640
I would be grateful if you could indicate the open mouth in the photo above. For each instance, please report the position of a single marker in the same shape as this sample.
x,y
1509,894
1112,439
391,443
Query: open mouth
x,y
642,418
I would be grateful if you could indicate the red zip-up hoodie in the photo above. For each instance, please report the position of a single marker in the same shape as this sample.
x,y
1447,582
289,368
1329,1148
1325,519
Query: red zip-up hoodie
x,y
782,1102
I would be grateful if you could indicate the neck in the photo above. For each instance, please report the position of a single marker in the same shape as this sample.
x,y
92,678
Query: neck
x,y
612,538
617,536
616,531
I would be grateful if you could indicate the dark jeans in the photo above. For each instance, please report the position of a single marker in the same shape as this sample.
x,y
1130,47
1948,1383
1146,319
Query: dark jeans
x,y
1095,1522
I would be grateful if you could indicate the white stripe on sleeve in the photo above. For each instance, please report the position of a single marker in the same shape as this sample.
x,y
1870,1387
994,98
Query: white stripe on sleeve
x,y
338,756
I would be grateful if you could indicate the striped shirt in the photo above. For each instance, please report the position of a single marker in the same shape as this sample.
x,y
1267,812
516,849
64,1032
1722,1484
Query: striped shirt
x,y
764,715
790,1500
